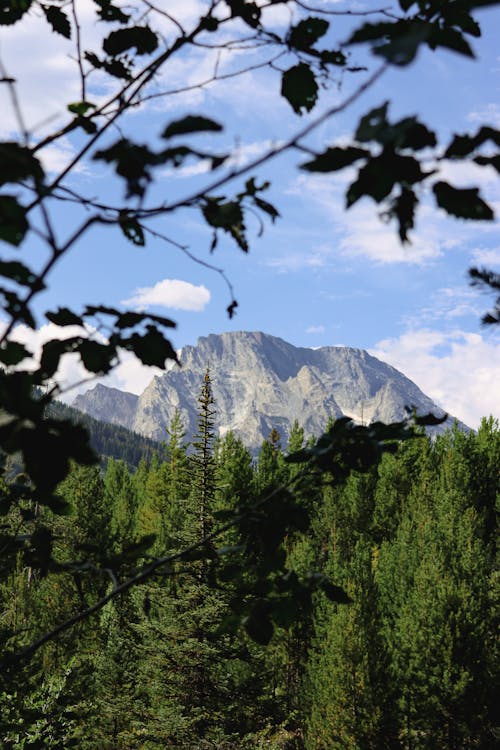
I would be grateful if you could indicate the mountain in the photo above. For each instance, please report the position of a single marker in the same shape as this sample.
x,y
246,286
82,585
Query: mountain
x,y
109,440
260,382
108,405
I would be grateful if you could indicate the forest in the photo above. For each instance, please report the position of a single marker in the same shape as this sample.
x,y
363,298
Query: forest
x,y
395,649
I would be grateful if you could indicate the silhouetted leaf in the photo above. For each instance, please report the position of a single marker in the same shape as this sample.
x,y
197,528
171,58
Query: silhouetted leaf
x,y
132,229
18,163
64,317
12,10
97,357
492,161
142,38
335,593
11,353
248,11
18,272
464,203
451,39
18,309
463,145
191,124
335,158
403,210
152,348
307,32
299,88
109,12
258,623
226,215
58,19
373,124
13,223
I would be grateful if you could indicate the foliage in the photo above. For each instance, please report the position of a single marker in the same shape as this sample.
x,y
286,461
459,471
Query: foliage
x,y
397,162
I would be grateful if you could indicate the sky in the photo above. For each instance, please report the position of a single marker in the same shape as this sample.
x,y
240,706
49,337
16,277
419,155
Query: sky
x,y
318,276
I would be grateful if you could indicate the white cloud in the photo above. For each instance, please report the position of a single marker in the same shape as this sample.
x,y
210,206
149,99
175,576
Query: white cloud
x,y
489,114
315,329
174,293
482,256
72,378
458,369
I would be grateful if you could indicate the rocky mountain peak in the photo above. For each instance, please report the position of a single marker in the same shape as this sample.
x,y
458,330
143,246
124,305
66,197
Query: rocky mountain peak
x,y
261,382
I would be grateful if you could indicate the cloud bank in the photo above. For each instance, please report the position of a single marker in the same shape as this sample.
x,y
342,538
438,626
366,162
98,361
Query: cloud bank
x,y
171,293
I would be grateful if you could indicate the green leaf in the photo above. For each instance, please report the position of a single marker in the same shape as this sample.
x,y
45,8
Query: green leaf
x,y
191,124
335,158
13,223
142,38
64,317
227,215
463,203
307,32
132,229
11,353
12,10
80,108
132,162
18,163
58,20
299,88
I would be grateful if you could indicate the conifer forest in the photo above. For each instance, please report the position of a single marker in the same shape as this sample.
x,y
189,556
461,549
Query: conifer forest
x,y
395,648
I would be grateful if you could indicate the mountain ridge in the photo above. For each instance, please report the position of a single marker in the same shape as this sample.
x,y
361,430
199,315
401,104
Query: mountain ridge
x,y
261,382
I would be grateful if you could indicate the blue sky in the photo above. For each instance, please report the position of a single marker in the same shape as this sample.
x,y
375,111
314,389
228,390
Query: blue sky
x,y
318,276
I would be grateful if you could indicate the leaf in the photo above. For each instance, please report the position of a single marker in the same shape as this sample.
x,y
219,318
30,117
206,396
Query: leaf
x,y
307,32
191,124
334,159
379,175
13,223
268,208
299,88
227,215
18,309
18,163
97,357
231,309
11,353
109,12
142,38
492,161
403,209
52,352
463,203
58,19
12,10
80,108
64,317
463,145
153,348
132,162
258,623
132,229
335,593
450,38
249,12
373,124
20,273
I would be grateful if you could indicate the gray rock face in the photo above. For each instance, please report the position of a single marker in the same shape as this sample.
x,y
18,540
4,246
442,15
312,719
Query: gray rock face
x,y
260,382
108,404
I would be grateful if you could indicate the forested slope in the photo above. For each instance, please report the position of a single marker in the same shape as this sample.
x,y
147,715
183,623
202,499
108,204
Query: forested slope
x,y
410,663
